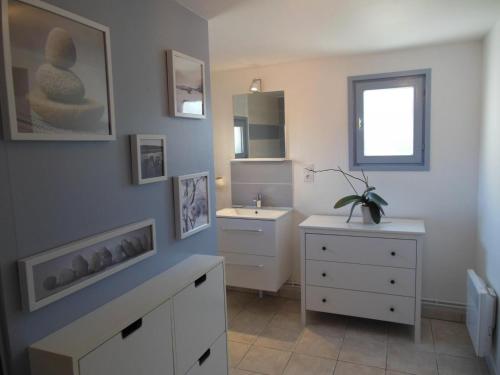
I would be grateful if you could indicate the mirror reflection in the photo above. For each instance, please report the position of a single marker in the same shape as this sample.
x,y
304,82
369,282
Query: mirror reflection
x,y
259,125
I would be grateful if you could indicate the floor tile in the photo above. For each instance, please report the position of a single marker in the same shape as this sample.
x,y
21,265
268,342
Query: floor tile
x,y
318,345
288,321
407,359
449,365
402,334
237,351
247,326
452,338
367,329
329,324
364,352
277,338
290,306
266,304
301,364
265,361
345,368
236,371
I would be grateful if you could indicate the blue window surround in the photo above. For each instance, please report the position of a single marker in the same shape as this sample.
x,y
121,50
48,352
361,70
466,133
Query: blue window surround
x,y
421,80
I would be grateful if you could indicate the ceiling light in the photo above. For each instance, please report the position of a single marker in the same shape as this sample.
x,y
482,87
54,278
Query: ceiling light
x,y
256,85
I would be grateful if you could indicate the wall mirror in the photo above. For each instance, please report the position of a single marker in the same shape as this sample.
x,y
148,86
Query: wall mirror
x,y
259,125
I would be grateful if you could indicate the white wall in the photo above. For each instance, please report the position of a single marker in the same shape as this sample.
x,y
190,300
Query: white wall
x,y
489,173
316,119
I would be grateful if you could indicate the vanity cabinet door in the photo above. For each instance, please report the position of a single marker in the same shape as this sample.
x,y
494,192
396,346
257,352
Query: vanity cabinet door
x,y
142,348
255,237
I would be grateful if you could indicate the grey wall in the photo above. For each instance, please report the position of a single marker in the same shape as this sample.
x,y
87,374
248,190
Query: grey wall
x,y
274,180
52,193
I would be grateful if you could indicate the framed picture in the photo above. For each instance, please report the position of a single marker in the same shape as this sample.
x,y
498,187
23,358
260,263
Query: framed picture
x,y
192,204
186,86
56,81
54,274
149,158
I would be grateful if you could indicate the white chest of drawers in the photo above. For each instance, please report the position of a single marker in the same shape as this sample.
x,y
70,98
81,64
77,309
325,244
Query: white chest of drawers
x,y
369,271
172,324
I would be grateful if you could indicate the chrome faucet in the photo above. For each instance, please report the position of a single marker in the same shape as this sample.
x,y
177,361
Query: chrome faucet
x,y
258,201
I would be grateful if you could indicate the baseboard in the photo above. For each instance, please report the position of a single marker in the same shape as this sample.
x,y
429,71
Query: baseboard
x,y
443,310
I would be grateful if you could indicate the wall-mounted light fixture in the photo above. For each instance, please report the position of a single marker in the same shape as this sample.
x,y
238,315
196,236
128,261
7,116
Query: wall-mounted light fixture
x,y
256,85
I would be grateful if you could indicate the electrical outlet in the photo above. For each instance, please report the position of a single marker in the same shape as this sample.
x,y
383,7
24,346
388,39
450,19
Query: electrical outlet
x,y
308,175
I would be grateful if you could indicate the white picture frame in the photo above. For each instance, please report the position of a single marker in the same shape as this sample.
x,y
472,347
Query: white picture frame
x,y
194,86
193,215
87,112
35,293
143,145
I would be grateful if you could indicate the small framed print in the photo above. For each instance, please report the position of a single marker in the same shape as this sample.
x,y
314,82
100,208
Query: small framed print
x,y
192,204
56,81
186,86
149,158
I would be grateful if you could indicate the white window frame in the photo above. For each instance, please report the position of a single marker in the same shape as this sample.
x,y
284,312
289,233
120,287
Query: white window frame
x,y
420,80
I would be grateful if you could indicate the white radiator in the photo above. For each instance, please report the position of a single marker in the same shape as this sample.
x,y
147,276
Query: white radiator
x,y
481,306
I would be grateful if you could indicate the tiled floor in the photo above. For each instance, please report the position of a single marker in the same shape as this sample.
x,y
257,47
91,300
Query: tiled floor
x,y
266,337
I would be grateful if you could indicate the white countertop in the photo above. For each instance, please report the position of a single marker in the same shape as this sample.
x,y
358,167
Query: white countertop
x,y
387,225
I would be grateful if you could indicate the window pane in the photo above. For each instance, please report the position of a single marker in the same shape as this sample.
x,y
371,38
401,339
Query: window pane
x,y
388,121
238,140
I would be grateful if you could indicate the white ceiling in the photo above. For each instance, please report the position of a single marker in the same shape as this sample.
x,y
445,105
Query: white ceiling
x,y
247,33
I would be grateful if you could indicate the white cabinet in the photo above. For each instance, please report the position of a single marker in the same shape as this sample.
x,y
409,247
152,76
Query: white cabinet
x,y
174,323
369,271
257,252
129,351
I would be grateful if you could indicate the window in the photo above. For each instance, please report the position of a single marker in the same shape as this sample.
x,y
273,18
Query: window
x,y
389,119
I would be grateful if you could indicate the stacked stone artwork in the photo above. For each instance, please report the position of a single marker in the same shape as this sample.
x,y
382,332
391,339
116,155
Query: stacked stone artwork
x,y
59,98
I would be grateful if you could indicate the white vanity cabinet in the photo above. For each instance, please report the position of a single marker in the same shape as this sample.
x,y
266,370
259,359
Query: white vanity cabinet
x,y
369,271
174,323
257,247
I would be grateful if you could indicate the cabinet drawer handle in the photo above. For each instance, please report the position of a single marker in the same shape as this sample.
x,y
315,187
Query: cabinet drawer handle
x,y
200,280
242,230
323,274
393,281
393,253
323,248
127,331
392,309
323,300
204,357
246,265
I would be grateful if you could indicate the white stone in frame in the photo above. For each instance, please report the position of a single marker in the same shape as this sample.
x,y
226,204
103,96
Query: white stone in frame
x,y
27,265
45,132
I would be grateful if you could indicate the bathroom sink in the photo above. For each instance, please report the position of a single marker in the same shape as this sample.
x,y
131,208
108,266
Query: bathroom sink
x,y
253,213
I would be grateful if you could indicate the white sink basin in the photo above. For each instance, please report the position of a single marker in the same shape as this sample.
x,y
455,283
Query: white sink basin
x,y
253,213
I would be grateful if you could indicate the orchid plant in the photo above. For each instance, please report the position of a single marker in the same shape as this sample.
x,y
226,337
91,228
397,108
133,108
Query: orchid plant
x,y
368,198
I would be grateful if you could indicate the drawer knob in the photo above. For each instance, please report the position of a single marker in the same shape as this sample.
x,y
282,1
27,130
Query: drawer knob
x,y
323,274
393,281
323,300
323,248
392,309
393,253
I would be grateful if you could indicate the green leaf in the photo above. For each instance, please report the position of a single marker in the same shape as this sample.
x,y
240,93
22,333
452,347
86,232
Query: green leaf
x,y
375,212
352,210
346,200
371,188
376,198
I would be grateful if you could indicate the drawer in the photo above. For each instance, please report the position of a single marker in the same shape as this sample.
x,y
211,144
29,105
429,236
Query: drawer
x,y
213,360
199,318
242,236
143,348
385,307
362,250
252,271
389,280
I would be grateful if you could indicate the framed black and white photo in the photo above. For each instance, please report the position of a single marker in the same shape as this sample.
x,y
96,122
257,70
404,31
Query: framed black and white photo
x,y
56,81
192,204
54,274
149,158
186,86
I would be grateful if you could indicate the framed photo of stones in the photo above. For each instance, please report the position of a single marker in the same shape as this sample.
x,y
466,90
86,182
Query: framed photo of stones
x,y
186,86
54,274
56,81
149,158
192,204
